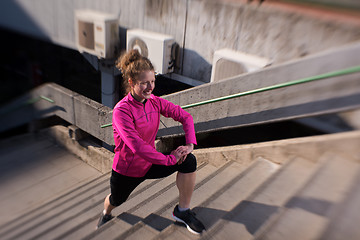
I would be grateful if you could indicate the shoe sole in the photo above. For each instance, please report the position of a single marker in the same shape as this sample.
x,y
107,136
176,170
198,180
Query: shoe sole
x,y
187,226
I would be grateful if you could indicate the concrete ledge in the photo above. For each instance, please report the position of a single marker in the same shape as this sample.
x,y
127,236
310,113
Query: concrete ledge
x,y
86,114
91,153
311,148
331,95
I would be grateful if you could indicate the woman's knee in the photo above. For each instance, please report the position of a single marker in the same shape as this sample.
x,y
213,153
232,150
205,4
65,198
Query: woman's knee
x,y
189,165
116,201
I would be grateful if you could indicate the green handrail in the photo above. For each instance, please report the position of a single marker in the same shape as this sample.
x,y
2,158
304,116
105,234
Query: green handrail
x,y
281,85
106,125
277,86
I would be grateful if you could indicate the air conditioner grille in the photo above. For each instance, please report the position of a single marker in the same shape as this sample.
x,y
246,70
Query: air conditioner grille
x,y
140,45
86,34
225,69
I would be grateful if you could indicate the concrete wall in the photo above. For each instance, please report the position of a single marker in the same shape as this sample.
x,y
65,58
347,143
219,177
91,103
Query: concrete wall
x,y
199,26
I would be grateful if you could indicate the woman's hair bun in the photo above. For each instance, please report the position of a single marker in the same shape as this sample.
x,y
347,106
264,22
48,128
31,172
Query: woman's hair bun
x,y
131,64
127,58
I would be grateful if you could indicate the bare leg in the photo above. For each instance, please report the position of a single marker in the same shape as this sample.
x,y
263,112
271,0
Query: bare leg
x,y
185,183
107,206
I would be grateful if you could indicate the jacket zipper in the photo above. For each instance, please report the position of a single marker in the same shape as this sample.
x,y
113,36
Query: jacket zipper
x,y
146,114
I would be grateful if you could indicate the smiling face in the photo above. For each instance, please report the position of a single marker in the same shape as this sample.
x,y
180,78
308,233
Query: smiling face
x,y
142,87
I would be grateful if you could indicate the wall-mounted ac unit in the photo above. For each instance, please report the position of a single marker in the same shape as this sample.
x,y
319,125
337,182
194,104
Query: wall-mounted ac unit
x,y
97,33
157,47
229,63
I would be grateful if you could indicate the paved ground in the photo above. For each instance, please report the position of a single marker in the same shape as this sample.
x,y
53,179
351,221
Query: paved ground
x,y
33,170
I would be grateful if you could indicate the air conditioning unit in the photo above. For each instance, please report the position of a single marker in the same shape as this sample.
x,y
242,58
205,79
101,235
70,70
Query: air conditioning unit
x,y
229,63
97,33
160,49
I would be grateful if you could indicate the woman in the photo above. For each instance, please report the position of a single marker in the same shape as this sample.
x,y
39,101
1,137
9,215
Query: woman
x,y
135,123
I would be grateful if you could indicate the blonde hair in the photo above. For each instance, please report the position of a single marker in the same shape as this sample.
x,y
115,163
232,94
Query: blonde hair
x,y
131,64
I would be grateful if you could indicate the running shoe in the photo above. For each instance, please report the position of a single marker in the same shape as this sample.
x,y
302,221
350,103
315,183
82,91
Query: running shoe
x,y
188,218
104,218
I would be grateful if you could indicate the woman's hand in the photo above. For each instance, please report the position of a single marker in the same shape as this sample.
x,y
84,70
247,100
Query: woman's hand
x,y
178,155
184,151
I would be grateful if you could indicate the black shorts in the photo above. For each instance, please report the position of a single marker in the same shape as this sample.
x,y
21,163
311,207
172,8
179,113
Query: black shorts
x,y
122,186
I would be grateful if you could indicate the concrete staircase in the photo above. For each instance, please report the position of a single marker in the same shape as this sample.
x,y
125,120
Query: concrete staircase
x,y
304,188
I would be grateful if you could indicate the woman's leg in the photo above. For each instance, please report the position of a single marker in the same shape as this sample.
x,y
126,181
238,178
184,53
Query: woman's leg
x,y
121,187
185,183
107,205
185,179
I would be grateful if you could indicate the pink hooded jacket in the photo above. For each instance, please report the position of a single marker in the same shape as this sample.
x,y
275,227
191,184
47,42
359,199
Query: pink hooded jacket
x,y
135,127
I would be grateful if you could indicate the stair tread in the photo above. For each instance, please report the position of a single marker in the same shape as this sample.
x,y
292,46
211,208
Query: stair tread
x,y
144,232
210,187
203,189
345,223
84,220
169,195
111,230
56,205
306,214
223,200
254,212
87,220
146,208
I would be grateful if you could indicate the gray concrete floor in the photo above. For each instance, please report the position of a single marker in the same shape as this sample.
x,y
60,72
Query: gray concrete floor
x,y
33,171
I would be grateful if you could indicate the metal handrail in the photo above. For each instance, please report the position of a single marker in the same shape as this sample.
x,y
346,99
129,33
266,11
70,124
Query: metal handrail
x,y
277,86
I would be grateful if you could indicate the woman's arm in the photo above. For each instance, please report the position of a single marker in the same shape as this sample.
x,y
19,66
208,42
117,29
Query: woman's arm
x,y
168,109
124,125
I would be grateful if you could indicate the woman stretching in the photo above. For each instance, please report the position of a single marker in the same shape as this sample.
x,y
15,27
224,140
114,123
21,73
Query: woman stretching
x,y
136,121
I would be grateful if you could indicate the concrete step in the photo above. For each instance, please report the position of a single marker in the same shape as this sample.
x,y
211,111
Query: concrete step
x,y
86,228
21,157
162,219
345,221
146,204
75,218
19,173
51,216
243,221
51,174
307,214
144,232
237,187
140,230
53,207
203,192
